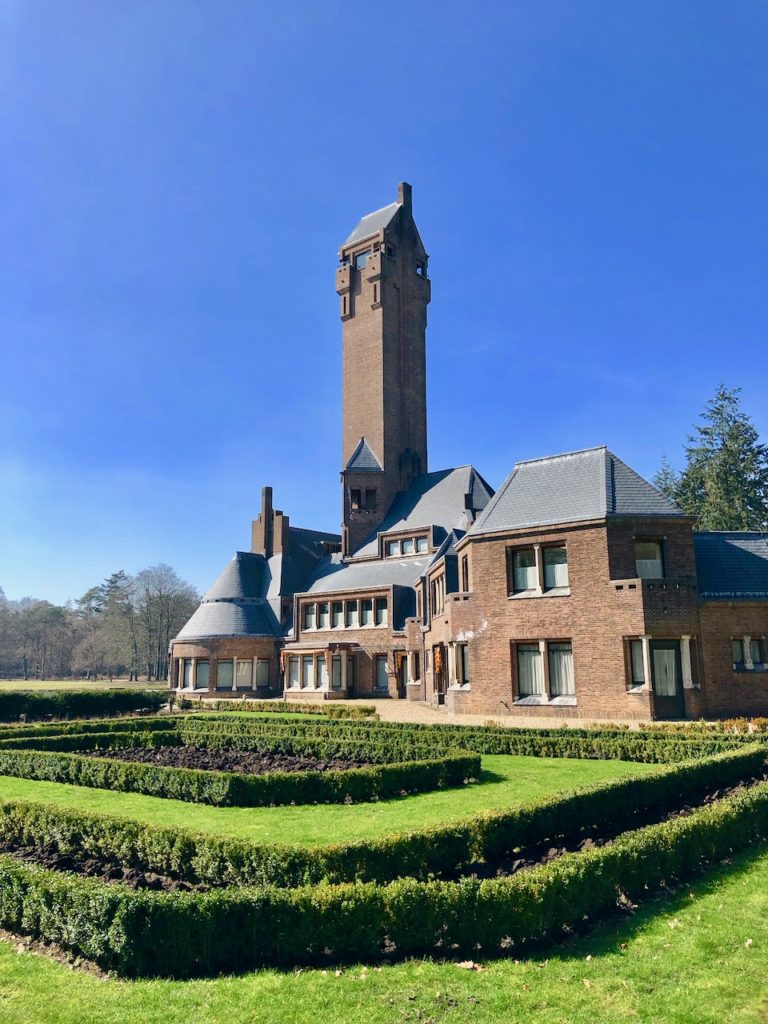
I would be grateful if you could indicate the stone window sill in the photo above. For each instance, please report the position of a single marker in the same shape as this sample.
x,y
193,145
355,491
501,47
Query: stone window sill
x,y
460,686
564,701
521,595
743,670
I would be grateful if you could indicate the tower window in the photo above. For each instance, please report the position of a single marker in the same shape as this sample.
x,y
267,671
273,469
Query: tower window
x,y
421,269
361,259
370,498
355,498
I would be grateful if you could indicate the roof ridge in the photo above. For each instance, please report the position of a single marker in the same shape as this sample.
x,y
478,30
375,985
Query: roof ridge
x,y
563,455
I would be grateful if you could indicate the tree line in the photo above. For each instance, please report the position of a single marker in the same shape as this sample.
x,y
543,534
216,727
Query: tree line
x,y
121,627
724,483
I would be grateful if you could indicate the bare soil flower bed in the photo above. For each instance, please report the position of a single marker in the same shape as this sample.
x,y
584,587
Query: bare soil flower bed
x,y
214,759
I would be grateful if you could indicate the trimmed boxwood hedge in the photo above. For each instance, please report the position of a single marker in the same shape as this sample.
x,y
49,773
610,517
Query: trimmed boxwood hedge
x,y
439,851
330,709
37,704
237,789
141,933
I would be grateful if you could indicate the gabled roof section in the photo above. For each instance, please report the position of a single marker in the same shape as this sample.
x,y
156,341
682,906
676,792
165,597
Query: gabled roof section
x,y
448,498
732,566
363,460
372,223
573,487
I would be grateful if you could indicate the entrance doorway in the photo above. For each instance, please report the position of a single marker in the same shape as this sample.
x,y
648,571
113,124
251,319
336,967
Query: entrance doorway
x,y
439,674
667,677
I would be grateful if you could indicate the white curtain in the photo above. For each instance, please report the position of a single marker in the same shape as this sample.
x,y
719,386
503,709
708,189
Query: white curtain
x,y
293,671
561,670
555,567
262,673
755,652
322,674
307,671
530,671
648,561
638,664
201,675
382,682
244,675
525,570
224,675
665,673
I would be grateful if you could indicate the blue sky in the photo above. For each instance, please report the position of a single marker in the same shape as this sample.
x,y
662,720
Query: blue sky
x,y
589,180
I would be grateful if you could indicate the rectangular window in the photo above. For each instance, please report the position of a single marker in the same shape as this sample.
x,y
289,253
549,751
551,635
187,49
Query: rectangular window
x,y
336,672
294,669
649,563
756,651
366,612
523,569
307,671
322,673
555,567
465,573
262,673
224,677
530,671
417,665
561,670
393,548
188,673
355,498
421,544
337,614
382,681
738,652
370,498
637,662
381,611
351,672
351,618
309,616
244,675
409,546
323,614
462,664
361,259
438,595
202,673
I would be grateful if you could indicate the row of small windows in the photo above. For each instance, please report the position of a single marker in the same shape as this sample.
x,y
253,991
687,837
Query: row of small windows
x,y
310,672
406,546
749,654
345,614
196,674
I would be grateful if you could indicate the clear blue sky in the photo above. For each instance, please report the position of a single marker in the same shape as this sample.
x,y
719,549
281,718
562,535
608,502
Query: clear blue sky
x,y
589,180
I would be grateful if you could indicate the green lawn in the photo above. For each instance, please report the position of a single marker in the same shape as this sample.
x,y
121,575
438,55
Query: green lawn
x,y
506,781
701,958
80,684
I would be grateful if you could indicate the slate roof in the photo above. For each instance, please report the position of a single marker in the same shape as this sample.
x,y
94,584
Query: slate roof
x,y
236,604
372,223
334,574
732,566
363,459
573,487
433,499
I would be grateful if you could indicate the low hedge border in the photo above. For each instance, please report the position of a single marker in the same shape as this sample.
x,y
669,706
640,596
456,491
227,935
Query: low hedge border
x,y
328,709
141,933
307,737
439,851
139,723
236,789
37,704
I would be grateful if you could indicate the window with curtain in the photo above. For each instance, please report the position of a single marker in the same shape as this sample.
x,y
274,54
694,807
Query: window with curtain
x,y
307,671
409,545
224,677
665,682
382,681
309,616
244,675
421,544
393,548
366,612
294,672
737,647
561,682
336,672
352,613
202,675
756,651
637,662
649,562
337,614
262,672
462,664
188,673
381,611
322,673
530,671
523,569
555,567
323,613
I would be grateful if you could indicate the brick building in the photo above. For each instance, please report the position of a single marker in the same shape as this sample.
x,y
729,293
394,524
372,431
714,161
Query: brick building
x,y
576,591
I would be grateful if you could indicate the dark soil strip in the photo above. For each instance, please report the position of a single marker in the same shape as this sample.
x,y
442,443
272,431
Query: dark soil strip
x,y
217,760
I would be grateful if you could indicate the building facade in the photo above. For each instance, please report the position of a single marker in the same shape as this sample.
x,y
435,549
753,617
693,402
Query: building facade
x,y
575,591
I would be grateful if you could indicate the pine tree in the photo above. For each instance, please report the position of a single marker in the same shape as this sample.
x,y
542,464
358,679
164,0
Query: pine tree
x,y
725,481
666,479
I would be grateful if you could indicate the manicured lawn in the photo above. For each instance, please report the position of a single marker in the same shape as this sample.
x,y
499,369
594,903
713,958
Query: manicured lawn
x,y
80,684
701,958
506,781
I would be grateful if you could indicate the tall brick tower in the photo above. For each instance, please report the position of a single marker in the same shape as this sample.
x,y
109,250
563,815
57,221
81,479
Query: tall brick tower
x,y
384,290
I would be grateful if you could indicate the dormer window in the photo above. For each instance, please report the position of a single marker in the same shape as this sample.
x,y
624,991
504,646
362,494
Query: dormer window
x,y
406,546
409,546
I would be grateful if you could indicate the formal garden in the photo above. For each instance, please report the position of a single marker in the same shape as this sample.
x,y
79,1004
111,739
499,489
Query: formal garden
x,y
256,864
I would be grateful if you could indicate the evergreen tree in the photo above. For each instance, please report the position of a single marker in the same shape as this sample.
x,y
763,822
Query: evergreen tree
x,y
725,481
666,479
